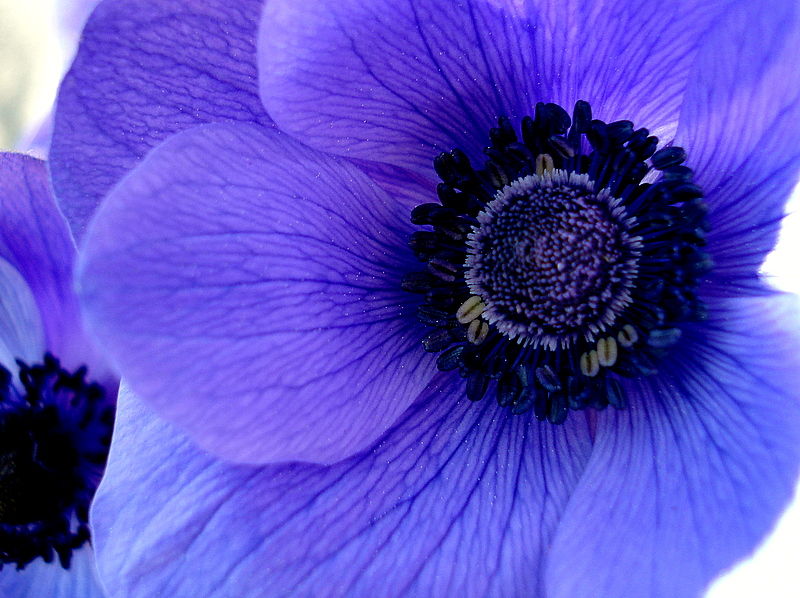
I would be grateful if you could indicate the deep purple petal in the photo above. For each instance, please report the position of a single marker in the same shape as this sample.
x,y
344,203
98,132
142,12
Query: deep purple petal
x,y
691,478
458,499
35,240
144,71
399,81
740,122
249,287
49,580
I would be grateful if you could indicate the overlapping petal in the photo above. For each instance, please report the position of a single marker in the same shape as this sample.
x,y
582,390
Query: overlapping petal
x,y
400,81
40,313
691,477
34,240
248,287
138,78
461,499
740,121
21,333
455,500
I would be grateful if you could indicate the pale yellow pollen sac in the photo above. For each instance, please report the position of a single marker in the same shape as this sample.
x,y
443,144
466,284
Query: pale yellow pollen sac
x,y
477,332
544,163
590,364
470,309
628,336
607,351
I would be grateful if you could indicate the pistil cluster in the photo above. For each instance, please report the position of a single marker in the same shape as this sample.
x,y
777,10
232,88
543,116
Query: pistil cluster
x,y
555,271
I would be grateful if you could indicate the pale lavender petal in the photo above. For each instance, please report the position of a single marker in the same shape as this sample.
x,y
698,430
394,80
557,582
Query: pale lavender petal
x,y
249,288
691,477
399,81
49,580
458,499
144,71
35,240
21,334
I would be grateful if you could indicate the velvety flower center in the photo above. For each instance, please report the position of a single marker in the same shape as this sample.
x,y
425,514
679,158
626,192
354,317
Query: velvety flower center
x,y
552,260
55,429
555,270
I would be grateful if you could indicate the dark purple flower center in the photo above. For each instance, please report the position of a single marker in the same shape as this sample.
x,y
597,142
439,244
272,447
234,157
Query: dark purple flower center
x,y
552,260
555,270
55,429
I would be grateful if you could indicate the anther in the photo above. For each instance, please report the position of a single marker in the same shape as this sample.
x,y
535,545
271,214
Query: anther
x,y
470,309
477,332
628,336
544,163
590,365
607,351
442,269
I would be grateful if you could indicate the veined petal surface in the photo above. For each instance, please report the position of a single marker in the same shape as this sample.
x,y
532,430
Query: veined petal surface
x,y
455,500
35,240
399,81
691,477
460,499
740,123
249,288
49,580
144,71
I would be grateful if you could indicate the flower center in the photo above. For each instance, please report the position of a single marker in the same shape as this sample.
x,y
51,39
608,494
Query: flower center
x,y
552,260
555,271
55,430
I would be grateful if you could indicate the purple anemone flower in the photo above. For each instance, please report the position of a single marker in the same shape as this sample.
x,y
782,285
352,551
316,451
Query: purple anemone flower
x,y
425,298
56,398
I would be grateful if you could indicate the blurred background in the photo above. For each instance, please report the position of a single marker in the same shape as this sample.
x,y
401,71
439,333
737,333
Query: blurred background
x,y
37,41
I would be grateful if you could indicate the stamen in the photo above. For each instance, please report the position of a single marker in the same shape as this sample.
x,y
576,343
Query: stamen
x,y
627,337
544,163
553,273
470,309
607,351
590,364
477,332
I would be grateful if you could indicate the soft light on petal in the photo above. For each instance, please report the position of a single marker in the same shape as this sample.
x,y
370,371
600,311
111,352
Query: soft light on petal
x,y
49,580
740,123
456,500
249,288
21,335
399,81
691,477
35,240
138,78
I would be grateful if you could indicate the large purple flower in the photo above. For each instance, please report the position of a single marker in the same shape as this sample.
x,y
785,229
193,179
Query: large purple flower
x,y
251,282
55,423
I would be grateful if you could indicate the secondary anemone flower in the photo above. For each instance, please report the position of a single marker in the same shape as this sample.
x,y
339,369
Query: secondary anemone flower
x,y
376,359
55,424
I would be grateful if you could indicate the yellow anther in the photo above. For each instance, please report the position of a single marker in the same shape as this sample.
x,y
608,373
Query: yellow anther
x,y
607,351
590,364
477,332
627,336
544,163
470,309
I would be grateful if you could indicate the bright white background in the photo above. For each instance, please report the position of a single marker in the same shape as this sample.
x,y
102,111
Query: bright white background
x,y
37,39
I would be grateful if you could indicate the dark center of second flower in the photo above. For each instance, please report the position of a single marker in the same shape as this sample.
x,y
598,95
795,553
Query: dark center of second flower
x,y
34,478
55,430
555,271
